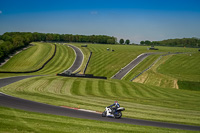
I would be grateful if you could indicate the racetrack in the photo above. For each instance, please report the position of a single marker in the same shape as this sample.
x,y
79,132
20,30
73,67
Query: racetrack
x,y
130,66
27,105
18,103
79,59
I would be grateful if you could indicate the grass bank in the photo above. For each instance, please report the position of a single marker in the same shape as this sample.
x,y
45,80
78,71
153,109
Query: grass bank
x,y
107,62
30,59
62,60
141,101
12,120
174,71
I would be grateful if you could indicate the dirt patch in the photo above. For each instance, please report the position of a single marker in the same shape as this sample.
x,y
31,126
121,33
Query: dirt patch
x,y
141,79
176,84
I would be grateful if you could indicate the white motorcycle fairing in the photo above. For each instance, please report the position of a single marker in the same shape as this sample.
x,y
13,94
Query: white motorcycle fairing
x,y
110,113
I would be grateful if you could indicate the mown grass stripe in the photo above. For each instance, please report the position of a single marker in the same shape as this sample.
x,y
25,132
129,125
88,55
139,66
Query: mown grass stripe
x,y
95,87
150,93
61,61
108,89
69,92
88,87
119,90
127,90
75,87
30,60
114,91
101,88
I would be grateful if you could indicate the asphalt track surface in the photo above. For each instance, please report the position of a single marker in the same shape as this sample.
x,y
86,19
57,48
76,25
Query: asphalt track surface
x,y
79,59
27,105
130,66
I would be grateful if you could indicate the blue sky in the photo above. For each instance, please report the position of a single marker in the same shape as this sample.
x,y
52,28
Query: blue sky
x,y
129,19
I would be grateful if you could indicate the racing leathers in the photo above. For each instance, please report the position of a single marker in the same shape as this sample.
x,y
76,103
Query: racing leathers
x,y
114,107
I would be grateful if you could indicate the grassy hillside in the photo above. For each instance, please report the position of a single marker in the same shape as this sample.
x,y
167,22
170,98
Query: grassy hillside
x,y
174,71
63,59
107,63
17,121
30,59
140,101
154,100
185,68
182,67
141,67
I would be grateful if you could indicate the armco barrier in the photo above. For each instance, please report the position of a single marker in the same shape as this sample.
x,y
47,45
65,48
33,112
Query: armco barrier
x,y
36,69
87,63
82,76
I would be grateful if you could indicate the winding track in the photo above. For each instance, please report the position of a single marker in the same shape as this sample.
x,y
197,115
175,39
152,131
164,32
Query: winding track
x,y
79,59
120,74
18,103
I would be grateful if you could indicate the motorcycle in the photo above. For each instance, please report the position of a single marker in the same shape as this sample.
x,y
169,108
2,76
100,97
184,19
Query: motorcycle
x,y
116,113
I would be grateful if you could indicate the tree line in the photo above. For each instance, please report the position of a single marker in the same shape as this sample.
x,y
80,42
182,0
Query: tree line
x,y
184,42
121,41
11,41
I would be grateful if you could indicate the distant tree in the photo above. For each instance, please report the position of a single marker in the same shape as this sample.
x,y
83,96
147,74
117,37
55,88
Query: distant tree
x,y
49,37
147,42
188,42
28,38
17,41
111,41
142,43
121,41
6,37
127,42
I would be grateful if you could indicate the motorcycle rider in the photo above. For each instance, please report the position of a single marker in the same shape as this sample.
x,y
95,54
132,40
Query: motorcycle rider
x,y
116,105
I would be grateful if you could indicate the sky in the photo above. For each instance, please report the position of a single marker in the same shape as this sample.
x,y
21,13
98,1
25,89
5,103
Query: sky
x,y
135,20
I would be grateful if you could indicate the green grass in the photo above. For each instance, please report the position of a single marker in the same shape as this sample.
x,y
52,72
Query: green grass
x,y
30,59
141,67
188,85
62,60
171,69
13,120
107,63
141,101
152,77
182,67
